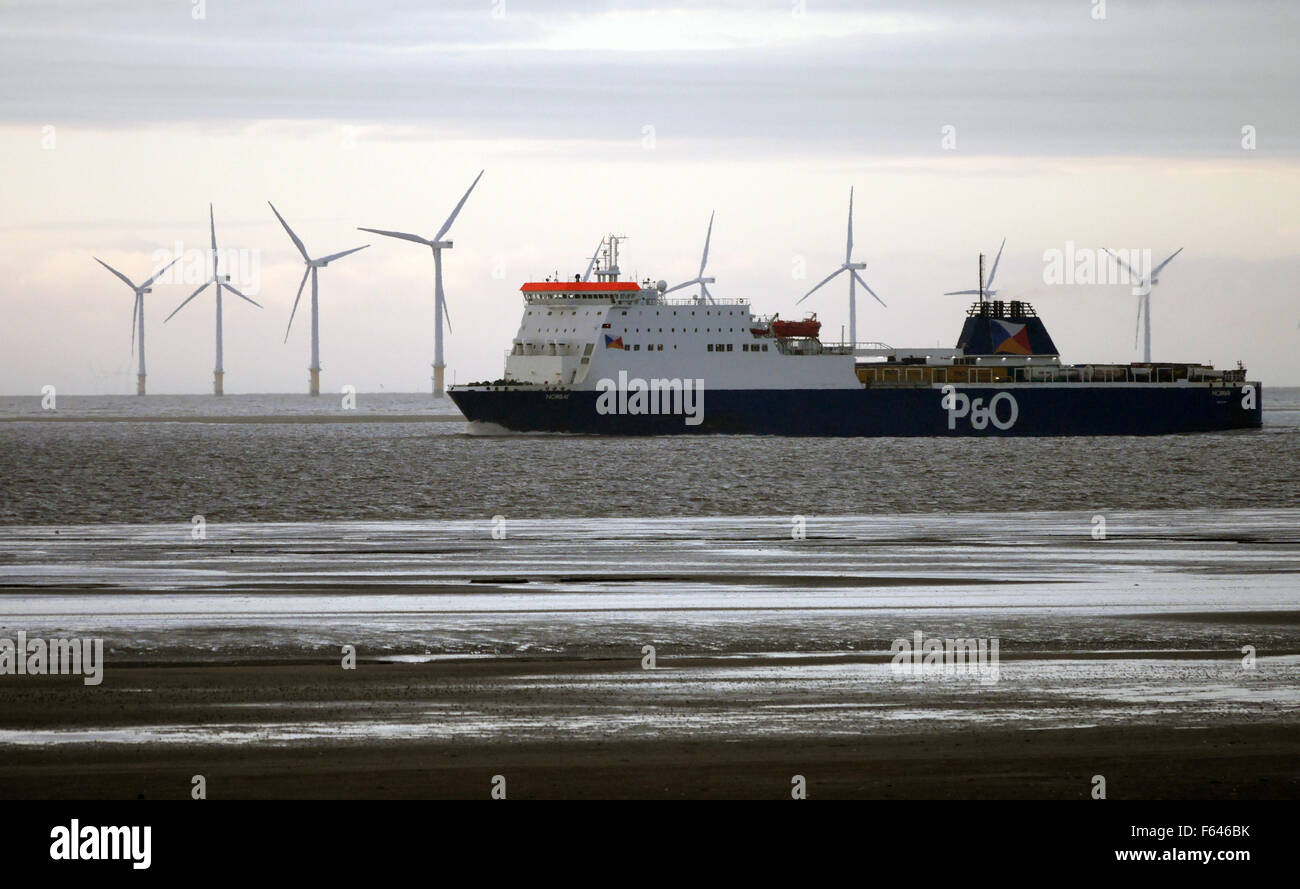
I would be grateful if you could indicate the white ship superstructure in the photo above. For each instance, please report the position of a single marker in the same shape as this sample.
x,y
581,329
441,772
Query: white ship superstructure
x,y
573,333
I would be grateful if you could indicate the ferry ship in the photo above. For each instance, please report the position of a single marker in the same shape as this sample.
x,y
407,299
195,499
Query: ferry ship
x,y
620,357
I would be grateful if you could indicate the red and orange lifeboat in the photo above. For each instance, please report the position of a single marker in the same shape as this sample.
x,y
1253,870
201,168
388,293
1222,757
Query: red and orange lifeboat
x,y
808,327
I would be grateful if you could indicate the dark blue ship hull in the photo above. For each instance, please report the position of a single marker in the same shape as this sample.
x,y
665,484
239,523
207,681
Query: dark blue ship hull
x,y
1039,410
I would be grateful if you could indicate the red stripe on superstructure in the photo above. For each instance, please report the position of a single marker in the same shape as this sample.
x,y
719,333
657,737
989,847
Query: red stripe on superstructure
x,y
578,286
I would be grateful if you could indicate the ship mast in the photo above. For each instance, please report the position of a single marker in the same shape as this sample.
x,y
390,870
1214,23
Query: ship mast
x,y
981,279
611,270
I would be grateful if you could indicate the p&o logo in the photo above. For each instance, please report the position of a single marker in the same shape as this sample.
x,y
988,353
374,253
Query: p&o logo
x,y
1002,410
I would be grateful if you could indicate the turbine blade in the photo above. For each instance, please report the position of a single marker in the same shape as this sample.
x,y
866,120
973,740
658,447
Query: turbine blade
x,y
1156,270
445,313
848,249
704,288
963,293
403,235
297,242
592,264
124,278
704,260
212,221
1122,264
1137,324
158,274
818,287
452,218
989,283
334,256
227,285
858,278
683,284
188,298
294,311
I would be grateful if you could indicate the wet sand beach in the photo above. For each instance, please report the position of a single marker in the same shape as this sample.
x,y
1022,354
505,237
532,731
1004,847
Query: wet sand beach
x,y
525,657
343,746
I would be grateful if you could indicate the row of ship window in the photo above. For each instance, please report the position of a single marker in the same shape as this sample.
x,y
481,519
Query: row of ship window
x,y
711,347
744,347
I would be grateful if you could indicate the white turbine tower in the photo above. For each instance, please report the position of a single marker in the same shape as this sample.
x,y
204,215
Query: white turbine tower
x,y
854,278
137,313
222,281
699,278
1145,283
312,266
437,244
988,290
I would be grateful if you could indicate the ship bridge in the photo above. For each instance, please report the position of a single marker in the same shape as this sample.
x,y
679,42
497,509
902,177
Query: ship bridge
x,y
579,293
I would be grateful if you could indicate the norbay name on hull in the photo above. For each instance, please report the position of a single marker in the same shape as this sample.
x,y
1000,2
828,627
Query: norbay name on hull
x,y
622,358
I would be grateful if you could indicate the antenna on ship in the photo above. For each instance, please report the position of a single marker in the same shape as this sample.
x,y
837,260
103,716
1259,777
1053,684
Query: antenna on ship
x,y
611,270
986,289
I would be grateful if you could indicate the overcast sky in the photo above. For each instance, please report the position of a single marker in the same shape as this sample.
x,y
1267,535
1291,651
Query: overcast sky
x,y
119,122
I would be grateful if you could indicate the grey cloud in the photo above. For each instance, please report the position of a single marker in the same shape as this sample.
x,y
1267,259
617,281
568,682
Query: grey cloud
x,y
1014,78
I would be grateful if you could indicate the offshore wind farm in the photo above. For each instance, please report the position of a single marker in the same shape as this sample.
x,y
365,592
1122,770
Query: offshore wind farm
x,y
777,513
791,336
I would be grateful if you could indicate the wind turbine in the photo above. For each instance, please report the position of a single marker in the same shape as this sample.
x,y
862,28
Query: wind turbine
x,y
699,278
222,281
591,264
854,278
1145,283
988,290
437,244
312,266
137,313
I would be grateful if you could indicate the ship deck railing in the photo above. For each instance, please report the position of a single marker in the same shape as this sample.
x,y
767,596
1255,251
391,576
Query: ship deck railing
x,y
625,298
858,348
927,375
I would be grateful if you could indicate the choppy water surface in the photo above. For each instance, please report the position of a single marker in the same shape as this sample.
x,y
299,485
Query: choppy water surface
x,y
293,458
